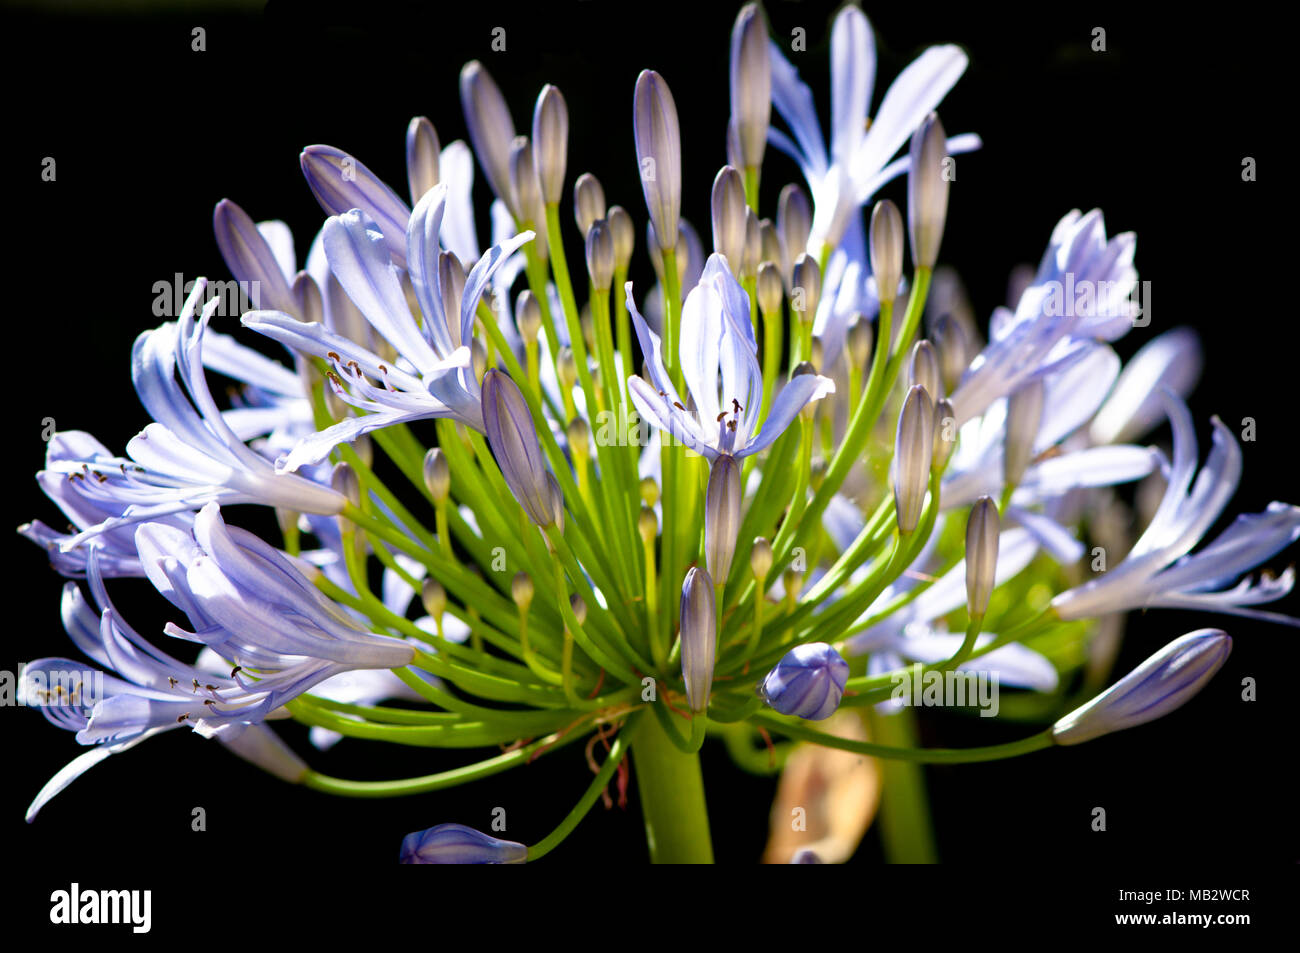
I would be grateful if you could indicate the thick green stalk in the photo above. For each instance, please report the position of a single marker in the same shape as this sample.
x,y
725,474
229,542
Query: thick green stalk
x,y
905,825
672,798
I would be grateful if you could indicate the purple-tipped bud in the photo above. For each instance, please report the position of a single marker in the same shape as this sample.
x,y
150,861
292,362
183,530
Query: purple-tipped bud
x,y
659,154
1164,682
751,85
699,637
600,255
513,439
250,259
927,191
422,154
728,206
1024,414
588,201
982,530
458,844
808,683
491,130
341,183
887,249
913,448
551,142
722,516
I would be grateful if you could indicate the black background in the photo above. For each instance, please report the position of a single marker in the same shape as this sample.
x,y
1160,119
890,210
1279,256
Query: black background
x,y
148,135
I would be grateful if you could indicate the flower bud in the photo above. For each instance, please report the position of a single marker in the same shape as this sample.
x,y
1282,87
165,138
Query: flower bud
x,y
792,580
491,130
249,257
860,338
982,528
887,249
624,234
927,191
793,224
953,348
760,558
722,516
699,637
343,480
478,358
551,142
341,183
924,368
521,590
422,154
578,433
458,844
649,491
513,440
579,608
1161,684
557,501
524,189
659,154
600,255
588,201
647,525
528,316
945,434
451,282
807,683
434,597
751,84
437,475
806,855
566,368
805,286
913,447
728,206
816,357
771,288
1024,413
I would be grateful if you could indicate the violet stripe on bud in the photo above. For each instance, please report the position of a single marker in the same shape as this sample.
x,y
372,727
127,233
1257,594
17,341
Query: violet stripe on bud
x,y
913,448
927,191
551,142
458,844
659,154
513,439
982,529
1161,684
751,85
423,150
699,637
600,255
807,683
1024,414
728,206
341,183
491,130
722,515
887,249
588,201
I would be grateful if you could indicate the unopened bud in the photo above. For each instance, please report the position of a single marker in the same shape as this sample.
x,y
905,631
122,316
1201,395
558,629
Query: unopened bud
x,y
699,637
1024,414
793,224
945,434
760,558
659,154
982,529
600,255
753,247
588,201
927,191
624,234
860,339
924,368
913,447
771,288
951,342
751,85
728,207
422,154
528,316
521,590
722,516
805,286
647,525
491,130
649,491
579,607
437,475
343,480
887,249
771,243
527,194
434,597
550,143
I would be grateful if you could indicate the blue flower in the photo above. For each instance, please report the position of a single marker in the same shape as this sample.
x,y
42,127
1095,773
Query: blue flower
x,y
807,683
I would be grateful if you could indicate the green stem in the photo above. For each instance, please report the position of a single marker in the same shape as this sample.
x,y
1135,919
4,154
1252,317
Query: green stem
x,y
672,798
905,825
